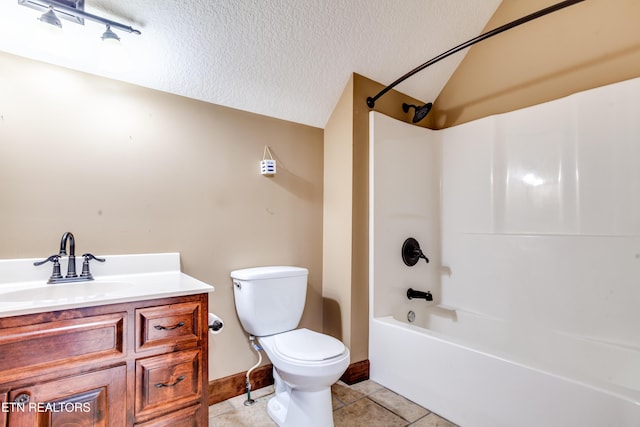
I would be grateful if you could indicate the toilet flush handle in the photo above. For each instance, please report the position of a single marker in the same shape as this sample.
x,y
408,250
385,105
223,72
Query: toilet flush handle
x,y
237,284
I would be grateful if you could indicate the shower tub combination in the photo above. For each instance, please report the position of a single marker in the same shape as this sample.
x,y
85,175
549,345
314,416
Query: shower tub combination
x,y
440,362
536,304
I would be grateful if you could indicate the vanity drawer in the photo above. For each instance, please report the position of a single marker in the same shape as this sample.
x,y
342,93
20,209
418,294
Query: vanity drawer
x,y
188,417
174,325
51,345
167,381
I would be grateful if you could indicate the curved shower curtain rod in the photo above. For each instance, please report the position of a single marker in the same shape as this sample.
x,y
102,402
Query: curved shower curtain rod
x,y
371,101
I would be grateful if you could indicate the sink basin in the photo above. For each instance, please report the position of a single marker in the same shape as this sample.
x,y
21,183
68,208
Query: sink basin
x,y
120,279
67,291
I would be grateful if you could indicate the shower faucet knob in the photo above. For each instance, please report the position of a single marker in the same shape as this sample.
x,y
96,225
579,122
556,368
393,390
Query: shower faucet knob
x,y
411,252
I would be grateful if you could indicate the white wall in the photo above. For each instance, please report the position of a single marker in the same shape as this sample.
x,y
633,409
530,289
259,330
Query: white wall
x,y
540,213
404,202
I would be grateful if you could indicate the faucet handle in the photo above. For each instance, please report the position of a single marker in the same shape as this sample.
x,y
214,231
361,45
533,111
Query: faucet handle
x,y
89,257
86,274
55,259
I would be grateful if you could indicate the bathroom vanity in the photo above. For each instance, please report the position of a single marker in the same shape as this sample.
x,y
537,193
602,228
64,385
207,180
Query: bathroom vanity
x,y
135,356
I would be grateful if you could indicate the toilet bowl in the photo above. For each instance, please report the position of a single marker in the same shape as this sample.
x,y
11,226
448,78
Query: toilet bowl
x,y
269,302
306,364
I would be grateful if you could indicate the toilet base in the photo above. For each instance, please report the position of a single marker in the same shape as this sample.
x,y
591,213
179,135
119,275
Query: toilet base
x,y
294,407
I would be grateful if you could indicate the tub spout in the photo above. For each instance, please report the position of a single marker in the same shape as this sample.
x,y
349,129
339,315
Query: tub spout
x,y
411,294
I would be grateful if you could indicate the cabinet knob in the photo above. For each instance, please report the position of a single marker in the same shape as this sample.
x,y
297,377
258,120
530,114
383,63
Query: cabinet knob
x,y
22,398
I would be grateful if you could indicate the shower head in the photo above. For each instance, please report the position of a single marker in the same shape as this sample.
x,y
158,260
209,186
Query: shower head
x,y
420,113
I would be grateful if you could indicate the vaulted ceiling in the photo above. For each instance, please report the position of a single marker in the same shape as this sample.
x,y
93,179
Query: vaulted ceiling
x,y
288,59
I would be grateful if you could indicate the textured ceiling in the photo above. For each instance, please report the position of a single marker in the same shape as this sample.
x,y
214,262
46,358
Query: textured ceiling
x,y
288,59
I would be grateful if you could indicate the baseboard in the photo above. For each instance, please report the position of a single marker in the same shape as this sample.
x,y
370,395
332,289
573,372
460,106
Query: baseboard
x,y
234,385
356,372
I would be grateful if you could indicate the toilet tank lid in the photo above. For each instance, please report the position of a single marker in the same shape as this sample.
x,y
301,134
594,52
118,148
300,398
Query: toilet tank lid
x,y
269,272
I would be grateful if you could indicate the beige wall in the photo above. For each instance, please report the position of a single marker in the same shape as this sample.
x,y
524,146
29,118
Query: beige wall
x,y
346,210
584,46
587,45
133,170
337,234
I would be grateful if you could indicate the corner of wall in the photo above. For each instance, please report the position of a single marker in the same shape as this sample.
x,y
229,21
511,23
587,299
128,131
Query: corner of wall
x,y
337,213
345,287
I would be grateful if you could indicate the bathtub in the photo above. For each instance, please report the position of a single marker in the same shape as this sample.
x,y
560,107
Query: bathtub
x,y
479,371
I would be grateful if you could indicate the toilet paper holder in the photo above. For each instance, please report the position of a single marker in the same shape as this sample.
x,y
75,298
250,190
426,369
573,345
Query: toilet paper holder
x,y
215,324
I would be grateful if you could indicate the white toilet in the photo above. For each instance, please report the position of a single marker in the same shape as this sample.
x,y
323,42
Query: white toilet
x,y
269,303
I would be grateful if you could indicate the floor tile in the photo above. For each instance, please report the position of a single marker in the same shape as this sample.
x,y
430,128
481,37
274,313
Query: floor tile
x,y
366,404
365,412
345,394
366,387
432,420
398,405
248,416
220,408
335,402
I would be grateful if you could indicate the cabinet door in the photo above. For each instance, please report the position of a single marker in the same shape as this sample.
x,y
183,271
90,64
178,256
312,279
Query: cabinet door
x,y
3,407
94,399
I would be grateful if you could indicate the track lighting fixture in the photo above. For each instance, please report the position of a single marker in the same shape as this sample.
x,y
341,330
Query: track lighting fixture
x,y
109,35
50,17
73,10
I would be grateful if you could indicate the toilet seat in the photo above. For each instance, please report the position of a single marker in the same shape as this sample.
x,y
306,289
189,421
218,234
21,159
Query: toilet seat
x,y
305,345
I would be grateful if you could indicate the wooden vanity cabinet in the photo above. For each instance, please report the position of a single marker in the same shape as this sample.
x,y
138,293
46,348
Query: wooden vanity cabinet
x,y
133,364
91,399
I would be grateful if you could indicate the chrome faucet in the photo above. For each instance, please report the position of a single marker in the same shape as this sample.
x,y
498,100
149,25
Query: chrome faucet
x,y
72,276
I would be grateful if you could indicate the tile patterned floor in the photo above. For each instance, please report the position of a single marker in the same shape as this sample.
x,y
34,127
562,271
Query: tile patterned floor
x,y
363,404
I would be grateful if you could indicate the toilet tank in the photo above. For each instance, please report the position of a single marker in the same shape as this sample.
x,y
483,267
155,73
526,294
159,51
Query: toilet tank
x,y
270,300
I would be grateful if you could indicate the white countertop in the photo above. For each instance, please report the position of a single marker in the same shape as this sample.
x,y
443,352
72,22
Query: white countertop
x,y
122,278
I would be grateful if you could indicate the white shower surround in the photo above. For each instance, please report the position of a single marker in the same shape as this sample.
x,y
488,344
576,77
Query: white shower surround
x,y
531,221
